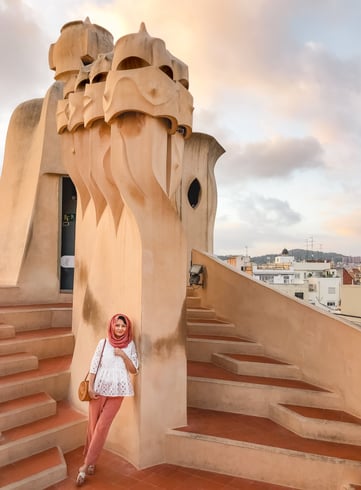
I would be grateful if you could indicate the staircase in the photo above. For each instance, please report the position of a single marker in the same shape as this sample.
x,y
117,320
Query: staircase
x,y
37,426
255,417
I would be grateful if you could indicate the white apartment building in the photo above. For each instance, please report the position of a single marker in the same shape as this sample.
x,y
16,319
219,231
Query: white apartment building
x,y
311,281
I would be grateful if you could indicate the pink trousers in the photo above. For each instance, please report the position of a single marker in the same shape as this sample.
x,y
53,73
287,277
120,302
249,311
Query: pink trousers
x,y
102,411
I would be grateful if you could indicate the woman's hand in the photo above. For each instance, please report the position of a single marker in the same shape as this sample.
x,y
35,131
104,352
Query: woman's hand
x,y
128,363
93,395
119,352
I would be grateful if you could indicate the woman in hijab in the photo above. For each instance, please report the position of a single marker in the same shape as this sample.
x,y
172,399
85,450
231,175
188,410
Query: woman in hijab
x,y
109,383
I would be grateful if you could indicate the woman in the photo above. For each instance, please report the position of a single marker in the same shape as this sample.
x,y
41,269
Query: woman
x,y
116,357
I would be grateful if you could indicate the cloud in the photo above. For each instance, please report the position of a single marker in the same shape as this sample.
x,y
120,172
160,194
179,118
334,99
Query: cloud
x,y
263,211
256,218
24,54
279,157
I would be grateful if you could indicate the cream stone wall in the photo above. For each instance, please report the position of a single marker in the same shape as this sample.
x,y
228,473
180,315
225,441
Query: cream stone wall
x,y
326,348
29,199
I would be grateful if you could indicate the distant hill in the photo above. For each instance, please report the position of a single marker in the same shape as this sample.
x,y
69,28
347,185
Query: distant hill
x,y
301,254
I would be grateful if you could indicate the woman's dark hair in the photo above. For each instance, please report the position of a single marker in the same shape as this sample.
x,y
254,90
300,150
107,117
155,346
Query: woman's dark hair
x,y
121,317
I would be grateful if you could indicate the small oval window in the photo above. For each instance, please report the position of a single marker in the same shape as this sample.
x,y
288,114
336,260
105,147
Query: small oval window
x,y
194,193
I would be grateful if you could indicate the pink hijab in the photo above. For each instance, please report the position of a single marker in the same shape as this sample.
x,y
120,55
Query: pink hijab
x,y
124,340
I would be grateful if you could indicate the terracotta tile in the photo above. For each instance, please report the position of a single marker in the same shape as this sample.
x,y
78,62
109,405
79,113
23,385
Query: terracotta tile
x,y
42,306
324,414
209,370
114,472
40,333
260,430
46,366
63,415
242,484
29,466
219,337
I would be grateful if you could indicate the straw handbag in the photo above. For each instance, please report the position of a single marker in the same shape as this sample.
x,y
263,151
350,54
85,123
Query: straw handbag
x,y
83,390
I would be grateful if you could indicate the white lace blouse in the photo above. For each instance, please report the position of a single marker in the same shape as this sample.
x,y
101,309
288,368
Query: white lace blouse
x,y
113,378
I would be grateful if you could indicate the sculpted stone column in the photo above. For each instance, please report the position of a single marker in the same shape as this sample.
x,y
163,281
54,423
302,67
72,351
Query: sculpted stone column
x,y
142,105
78,46
124,119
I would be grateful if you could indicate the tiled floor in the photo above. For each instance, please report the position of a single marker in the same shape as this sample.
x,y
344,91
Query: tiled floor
x,y
113,472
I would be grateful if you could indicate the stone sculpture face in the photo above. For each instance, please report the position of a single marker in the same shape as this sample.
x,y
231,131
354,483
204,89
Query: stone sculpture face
x,y
145,90
79,42
146,78
93,103
94,90
138,75
76,111
62,115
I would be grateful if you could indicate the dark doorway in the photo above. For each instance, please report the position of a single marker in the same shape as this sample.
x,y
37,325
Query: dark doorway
x,y
68,218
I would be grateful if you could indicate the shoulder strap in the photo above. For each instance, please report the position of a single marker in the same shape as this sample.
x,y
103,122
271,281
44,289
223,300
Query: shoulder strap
x,y
100,358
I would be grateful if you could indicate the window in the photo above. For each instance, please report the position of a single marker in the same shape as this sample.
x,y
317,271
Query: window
x,y
194,193
312,288
299,295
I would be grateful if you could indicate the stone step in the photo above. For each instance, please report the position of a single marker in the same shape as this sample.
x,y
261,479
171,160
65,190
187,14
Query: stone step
x,y
202,347
14,413
212,387
65,429
31,317
318,423
193,301
215,327
17,363
7,331
257,448
192,292
255,365
36,472
52,376
44,343
202,313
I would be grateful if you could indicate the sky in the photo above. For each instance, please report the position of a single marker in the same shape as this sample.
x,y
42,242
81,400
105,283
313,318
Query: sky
x,y
276,82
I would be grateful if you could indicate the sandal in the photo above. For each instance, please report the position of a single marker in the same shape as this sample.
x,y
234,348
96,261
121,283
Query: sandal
x,y
80,479
91,469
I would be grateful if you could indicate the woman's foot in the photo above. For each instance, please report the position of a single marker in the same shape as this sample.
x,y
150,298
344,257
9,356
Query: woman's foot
x,y
91,469
80,479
